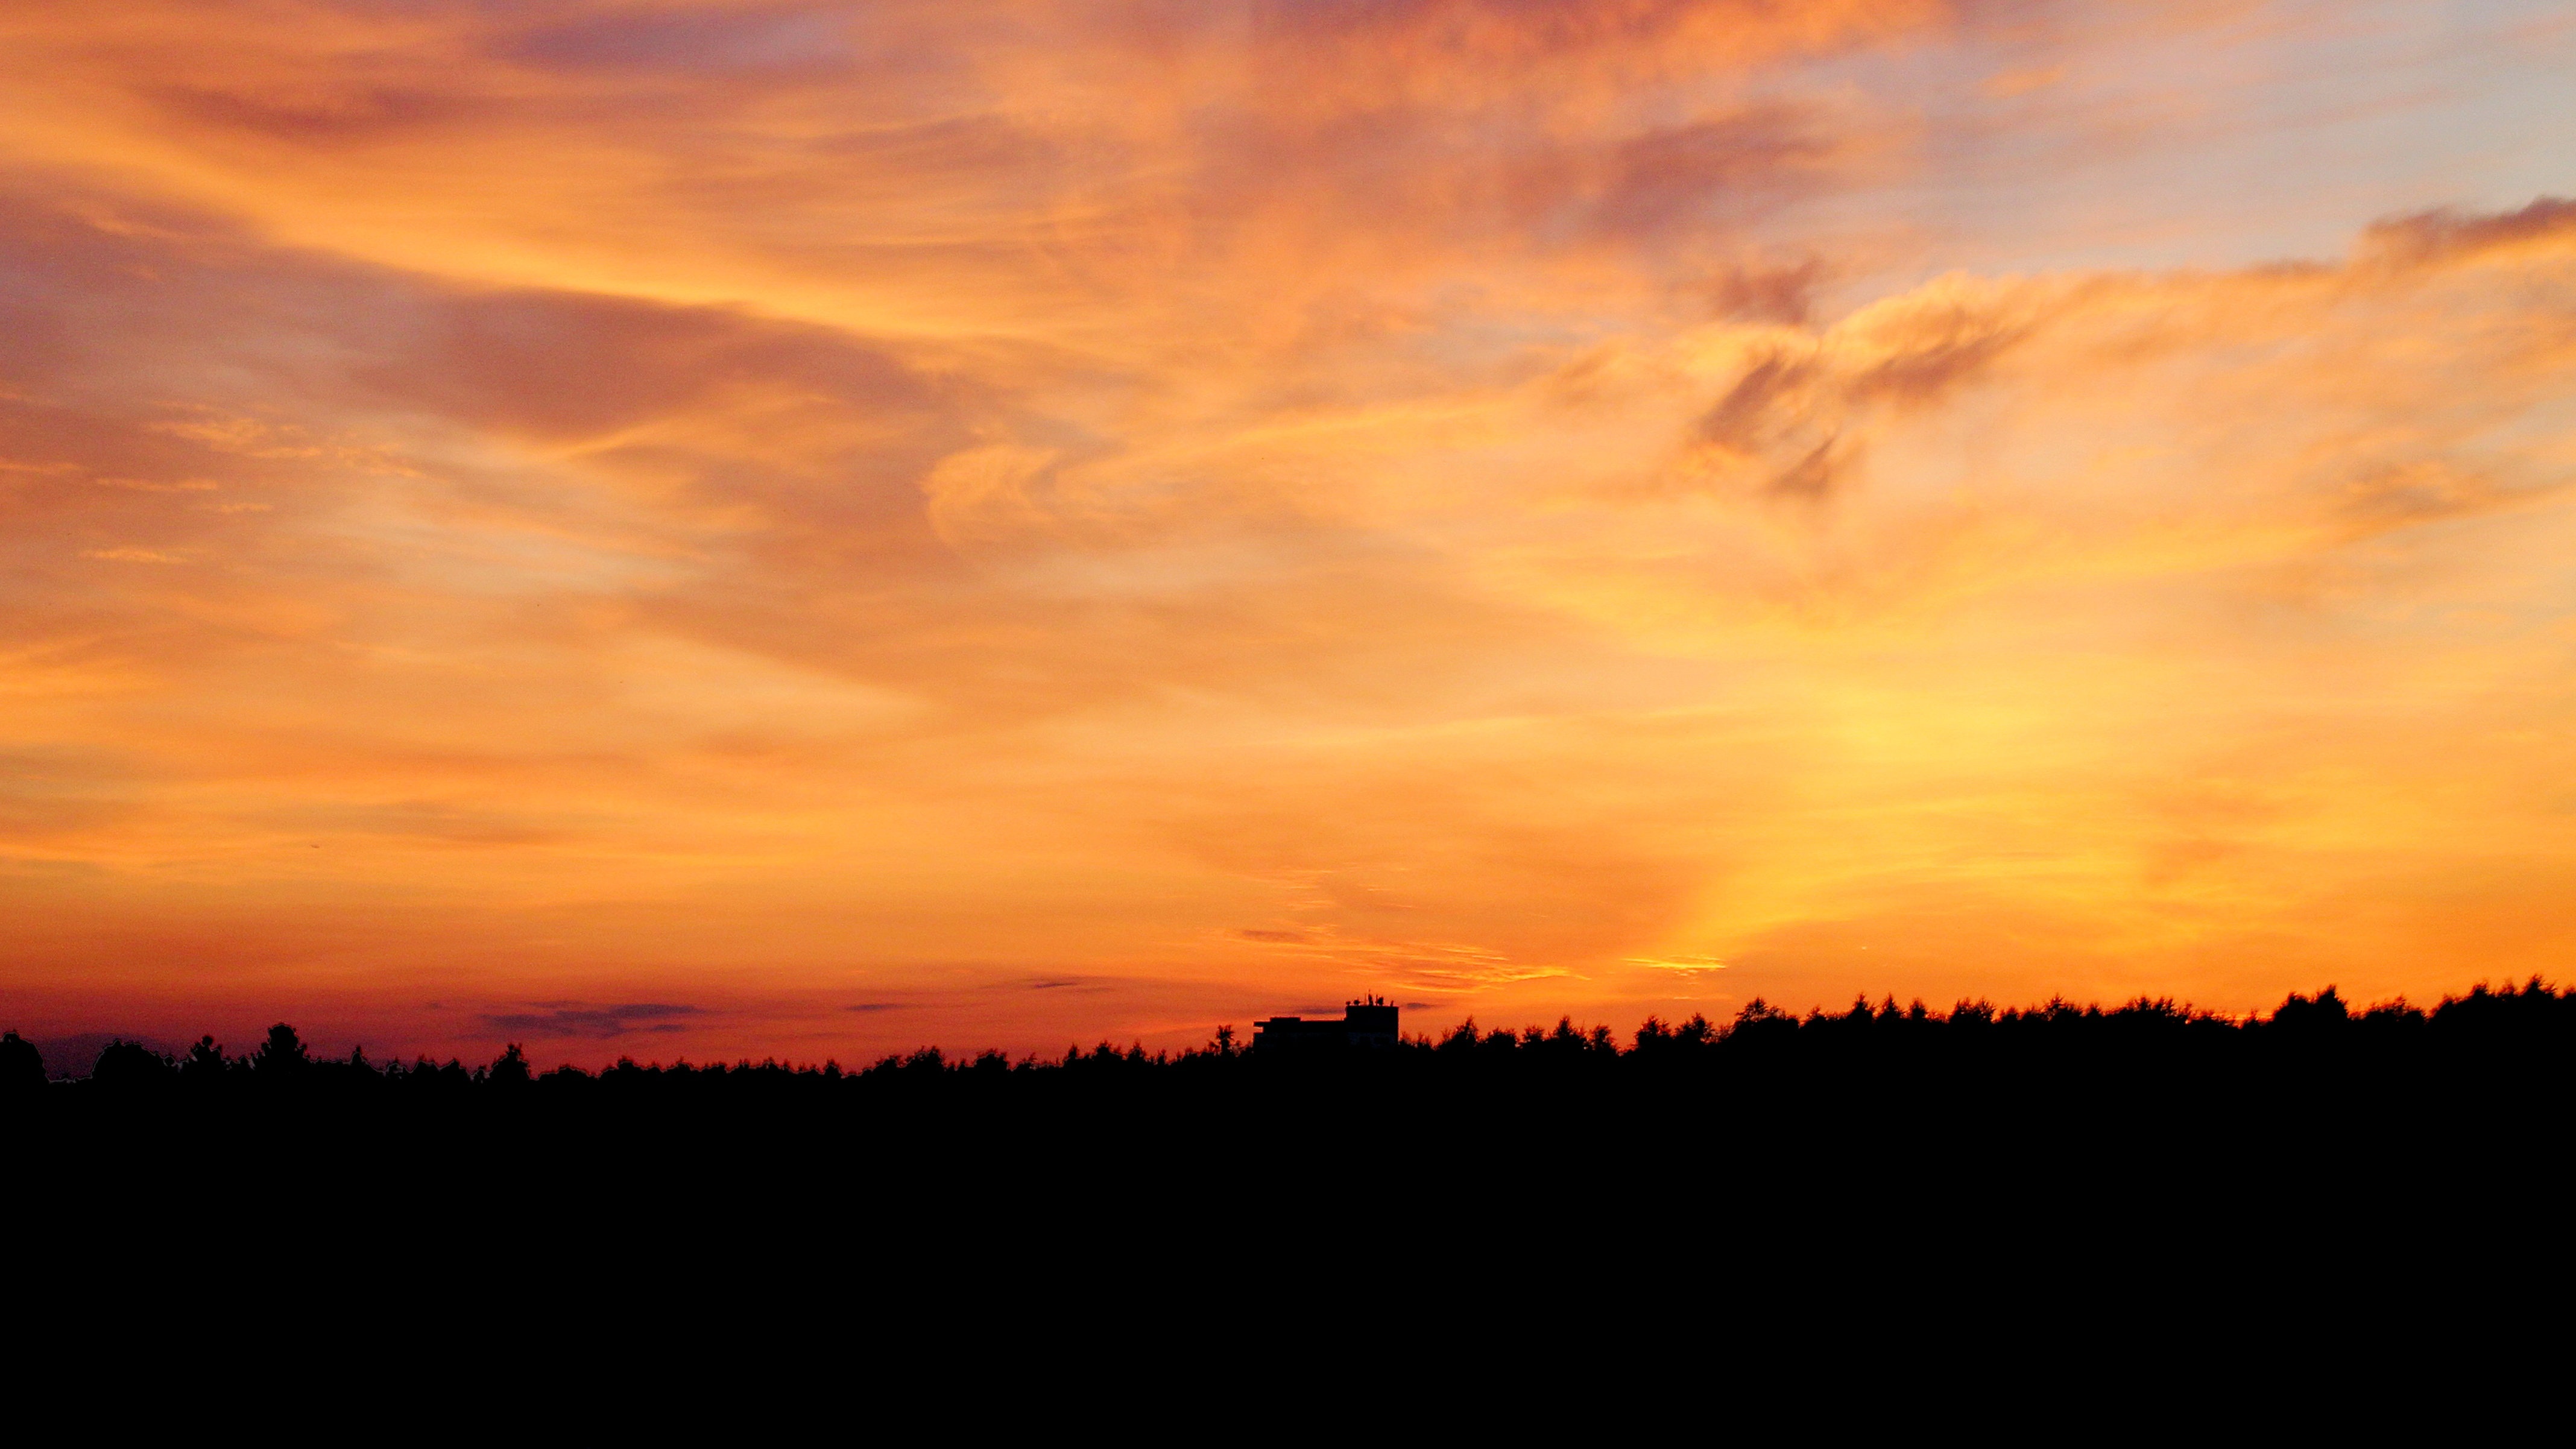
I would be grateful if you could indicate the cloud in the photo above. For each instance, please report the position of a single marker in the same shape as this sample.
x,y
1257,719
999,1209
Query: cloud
x,y
325,115
1679,965
683,42
427,820
1748,414
565,366
1757,293
2439,236
1931,351
573,1019
1675,176
131,555
985,493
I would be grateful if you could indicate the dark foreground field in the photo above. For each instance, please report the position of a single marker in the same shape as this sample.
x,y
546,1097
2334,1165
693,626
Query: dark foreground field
x,y
2083,1195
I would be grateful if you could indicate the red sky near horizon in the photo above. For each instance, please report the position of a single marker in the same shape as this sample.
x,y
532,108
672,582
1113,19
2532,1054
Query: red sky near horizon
x,y
703,527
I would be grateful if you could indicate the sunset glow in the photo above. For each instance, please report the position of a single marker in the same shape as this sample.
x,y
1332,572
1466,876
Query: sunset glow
x,y
694,527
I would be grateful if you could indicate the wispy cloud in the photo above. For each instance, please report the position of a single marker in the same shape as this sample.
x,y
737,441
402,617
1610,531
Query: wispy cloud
x,y
575,1019
1680,965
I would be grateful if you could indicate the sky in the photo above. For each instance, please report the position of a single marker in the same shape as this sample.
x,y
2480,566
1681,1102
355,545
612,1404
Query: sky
x,y
718,527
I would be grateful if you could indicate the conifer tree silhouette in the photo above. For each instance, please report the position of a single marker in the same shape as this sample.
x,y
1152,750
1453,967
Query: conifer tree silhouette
x,y
204,1062
281,1056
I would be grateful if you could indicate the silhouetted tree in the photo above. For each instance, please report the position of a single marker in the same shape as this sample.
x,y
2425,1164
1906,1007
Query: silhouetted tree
x,y
281,1056
2325,1013
510,1069
204,1062
130,1065
22,1067
1760,1024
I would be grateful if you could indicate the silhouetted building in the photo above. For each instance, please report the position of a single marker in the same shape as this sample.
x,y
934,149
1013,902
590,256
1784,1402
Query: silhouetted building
x,y
1367,1022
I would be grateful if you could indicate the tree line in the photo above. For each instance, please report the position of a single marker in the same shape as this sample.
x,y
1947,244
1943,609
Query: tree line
x,y
2527,1028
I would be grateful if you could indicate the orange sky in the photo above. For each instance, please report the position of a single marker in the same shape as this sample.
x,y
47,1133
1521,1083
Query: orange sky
x,y
717,526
